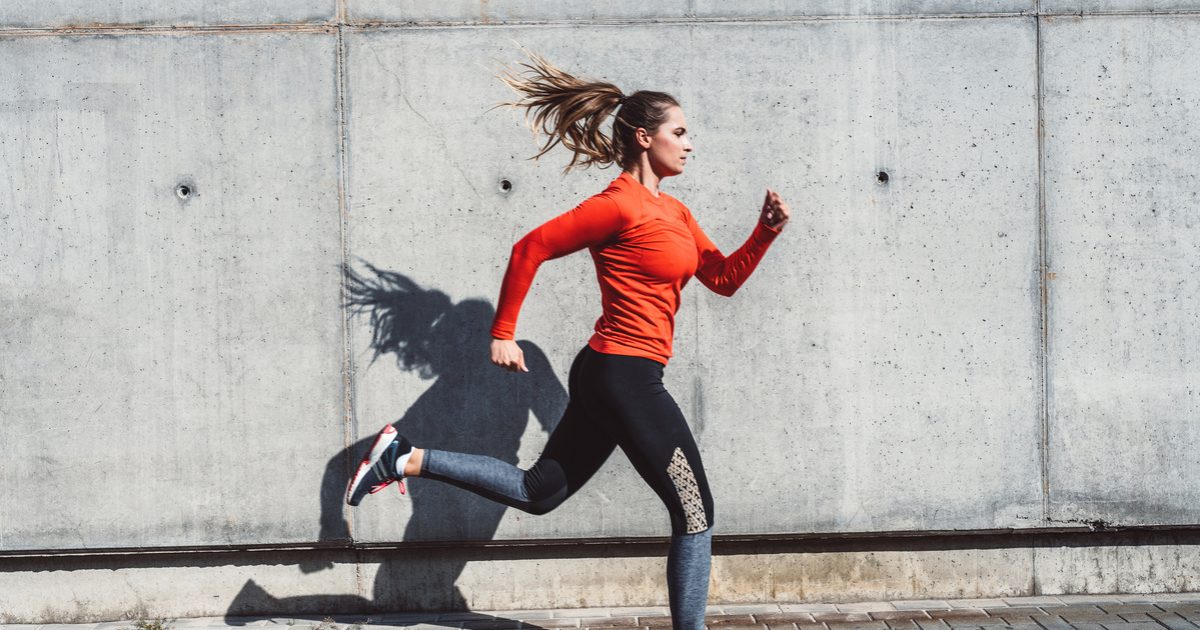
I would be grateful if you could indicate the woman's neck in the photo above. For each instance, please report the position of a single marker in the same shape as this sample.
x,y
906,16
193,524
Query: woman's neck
x,y
644,174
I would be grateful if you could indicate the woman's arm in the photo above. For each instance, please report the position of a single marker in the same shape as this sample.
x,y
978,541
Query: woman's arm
x,y
725,274
595,221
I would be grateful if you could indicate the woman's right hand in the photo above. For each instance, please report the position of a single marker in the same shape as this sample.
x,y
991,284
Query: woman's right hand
x,y
508,355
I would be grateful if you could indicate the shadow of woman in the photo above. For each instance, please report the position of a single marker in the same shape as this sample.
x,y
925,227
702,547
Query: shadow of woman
x,y
472,406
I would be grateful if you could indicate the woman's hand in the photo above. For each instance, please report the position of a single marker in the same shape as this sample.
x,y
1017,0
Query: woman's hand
x,y
774,211
508,355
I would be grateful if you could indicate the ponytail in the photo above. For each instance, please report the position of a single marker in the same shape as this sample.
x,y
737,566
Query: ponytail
x,y
570,110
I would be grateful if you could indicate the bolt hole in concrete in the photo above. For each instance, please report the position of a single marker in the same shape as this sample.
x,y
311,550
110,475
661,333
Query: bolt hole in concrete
x,y
881,177
505,185
184,191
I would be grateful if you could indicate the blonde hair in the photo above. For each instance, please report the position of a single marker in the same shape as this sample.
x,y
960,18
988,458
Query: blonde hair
x,y
570,111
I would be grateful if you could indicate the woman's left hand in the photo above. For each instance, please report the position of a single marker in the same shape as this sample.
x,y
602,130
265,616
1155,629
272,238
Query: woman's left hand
x,y
775,212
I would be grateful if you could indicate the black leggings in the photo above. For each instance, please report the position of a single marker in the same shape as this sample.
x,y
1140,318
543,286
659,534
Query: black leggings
x,y
615,400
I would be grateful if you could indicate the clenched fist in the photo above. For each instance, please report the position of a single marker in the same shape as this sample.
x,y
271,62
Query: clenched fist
x,y
508,355
774,211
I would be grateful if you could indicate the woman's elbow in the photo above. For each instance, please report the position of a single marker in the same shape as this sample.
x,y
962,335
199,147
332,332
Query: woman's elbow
x,y
726,289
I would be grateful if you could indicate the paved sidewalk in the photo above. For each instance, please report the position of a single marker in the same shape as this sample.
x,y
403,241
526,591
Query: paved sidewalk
x,y
1170,611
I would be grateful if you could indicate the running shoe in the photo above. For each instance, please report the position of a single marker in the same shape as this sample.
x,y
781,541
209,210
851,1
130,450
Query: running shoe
x,y
378,468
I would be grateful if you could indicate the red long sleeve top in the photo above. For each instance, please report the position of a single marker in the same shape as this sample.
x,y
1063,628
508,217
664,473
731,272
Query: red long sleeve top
x,y
646,248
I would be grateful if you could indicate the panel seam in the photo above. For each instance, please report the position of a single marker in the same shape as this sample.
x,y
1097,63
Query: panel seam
x,y
1043,280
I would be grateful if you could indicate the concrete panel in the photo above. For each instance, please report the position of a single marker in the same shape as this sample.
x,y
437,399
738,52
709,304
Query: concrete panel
x,y
786,8
63,13
1124,245
880,371
1110,6
169,361
573,10
116,588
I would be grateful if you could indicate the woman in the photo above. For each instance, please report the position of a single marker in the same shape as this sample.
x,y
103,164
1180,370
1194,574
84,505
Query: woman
x,y
646,246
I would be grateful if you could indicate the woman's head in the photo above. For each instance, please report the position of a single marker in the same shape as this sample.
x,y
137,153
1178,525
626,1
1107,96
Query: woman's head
x,y
571,110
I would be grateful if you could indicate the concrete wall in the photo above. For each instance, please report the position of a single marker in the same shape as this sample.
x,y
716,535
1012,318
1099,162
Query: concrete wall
x,y
999,336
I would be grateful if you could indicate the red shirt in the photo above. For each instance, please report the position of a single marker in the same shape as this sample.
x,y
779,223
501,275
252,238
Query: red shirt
x,y
646,248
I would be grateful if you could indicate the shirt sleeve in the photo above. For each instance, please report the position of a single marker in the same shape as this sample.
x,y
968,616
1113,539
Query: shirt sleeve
x,y
597,220
724,274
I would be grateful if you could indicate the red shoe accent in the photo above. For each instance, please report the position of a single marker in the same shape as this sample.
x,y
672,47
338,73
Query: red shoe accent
x,y
400,486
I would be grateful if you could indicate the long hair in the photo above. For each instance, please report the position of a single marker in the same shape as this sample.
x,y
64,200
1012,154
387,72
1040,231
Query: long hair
x,y
570,110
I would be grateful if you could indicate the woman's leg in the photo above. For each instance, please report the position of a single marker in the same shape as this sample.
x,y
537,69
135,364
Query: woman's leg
x,y
652,431
576,449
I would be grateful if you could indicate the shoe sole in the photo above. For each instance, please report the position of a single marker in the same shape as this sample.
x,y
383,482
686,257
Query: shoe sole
x,y
382,441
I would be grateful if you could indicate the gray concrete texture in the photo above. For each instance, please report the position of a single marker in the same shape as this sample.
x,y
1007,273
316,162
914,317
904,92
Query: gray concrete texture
x,y
1123,239
372,582
173,367
168,360
578,10
51,14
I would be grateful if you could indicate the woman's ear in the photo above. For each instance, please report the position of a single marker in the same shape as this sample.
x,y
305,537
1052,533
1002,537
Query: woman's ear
x,y
643,138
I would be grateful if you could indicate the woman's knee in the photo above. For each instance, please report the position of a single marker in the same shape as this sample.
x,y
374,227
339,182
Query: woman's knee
x,y
545,487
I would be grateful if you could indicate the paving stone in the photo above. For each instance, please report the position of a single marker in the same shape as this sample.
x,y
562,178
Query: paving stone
x,y
1190,616
520,614
750,609
1078,609
975,603
750,626
728,620
840,617
866,607
932,624
1089,626
921,604
1180,607
1122,609
789,626
962,614
902,624
1137,617
889,615
1132,626
1015,611
783,618
644,611
581,613
555,623
608,622
1051,622
857,625
984,622
663,621
1038,600
1076,618
1173,621
491,624
800,625
1088,599
464,616
623,627
808,608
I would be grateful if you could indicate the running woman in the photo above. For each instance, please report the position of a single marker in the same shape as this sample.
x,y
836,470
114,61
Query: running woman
x,y
646,246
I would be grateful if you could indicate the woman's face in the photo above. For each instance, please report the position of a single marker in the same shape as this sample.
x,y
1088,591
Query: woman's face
x,y
669,145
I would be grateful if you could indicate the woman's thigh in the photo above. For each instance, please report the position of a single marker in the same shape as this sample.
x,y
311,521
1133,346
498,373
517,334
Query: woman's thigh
x,y
650,428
